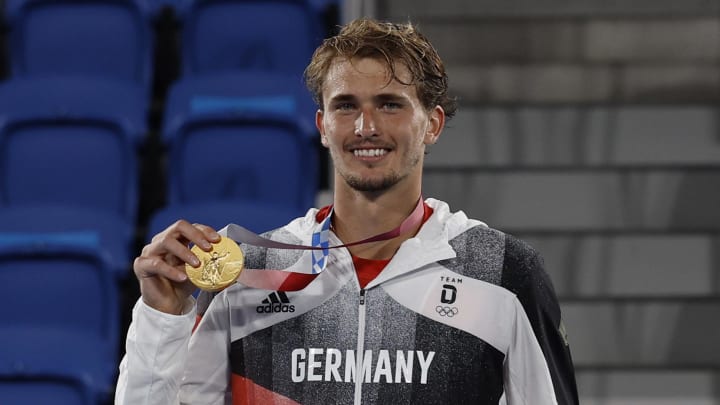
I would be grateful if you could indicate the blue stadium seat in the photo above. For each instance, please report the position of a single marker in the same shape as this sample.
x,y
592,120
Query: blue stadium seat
x,y
97,38
60,312
56,366
243,136
71,141
257,35
242,92
59,283
108,232
256,216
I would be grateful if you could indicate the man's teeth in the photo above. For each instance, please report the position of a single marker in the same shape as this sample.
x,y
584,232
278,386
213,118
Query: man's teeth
x,y
369,152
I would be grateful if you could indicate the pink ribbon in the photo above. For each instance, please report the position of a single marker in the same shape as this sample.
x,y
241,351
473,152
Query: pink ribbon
x,y
284,280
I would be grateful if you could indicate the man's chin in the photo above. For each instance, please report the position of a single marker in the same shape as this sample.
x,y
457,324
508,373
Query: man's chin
x,y
371,185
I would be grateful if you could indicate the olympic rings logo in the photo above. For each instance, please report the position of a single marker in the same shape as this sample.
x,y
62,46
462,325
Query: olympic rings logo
x,y
446,311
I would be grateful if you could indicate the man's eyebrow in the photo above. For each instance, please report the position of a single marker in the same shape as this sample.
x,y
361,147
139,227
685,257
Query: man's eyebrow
x,y
383,97
390,97
342,98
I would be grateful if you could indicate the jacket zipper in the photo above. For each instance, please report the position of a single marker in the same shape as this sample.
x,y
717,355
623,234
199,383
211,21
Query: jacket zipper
x,y
360,353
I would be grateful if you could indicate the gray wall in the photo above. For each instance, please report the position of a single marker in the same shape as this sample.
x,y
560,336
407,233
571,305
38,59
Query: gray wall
x,y
591,128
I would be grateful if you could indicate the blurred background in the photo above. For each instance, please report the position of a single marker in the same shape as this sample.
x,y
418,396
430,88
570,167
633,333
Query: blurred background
x,y
588,128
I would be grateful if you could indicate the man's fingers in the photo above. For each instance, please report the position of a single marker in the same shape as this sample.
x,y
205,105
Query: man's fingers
x,y
146,267
171,249
175,248
160,268
197,234
209,232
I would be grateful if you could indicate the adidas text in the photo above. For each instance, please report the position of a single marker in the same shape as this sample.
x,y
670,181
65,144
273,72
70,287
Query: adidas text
x,y
269,308
275,302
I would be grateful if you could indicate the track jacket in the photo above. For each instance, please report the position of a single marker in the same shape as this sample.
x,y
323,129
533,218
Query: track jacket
x,y
462,314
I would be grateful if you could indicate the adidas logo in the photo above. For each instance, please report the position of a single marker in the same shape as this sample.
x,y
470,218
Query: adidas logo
x,y
275,302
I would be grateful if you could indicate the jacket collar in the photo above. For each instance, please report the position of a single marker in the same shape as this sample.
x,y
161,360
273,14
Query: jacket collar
x,y
430,244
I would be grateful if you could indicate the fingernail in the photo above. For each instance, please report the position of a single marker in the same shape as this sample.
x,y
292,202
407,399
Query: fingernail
x,y
205,244
215,235
182,277
195,261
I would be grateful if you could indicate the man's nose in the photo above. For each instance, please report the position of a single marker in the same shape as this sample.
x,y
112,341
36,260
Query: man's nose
x,y
365,125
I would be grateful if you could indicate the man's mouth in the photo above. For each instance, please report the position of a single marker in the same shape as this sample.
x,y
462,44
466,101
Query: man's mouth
x,y
377,152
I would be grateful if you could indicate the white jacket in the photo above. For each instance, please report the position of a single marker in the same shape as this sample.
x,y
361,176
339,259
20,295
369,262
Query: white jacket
x,y
462,314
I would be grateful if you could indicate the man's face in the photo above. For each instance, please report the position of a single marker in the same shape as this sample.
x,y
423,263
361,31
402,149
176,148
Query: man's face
x,y
376,129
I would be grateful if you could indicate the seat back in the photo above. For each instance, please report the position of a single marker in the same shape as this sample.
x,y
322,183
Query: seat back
x,y
113,233
242,136
58,280
259,35
60,311
241,92
60,317
254,157
45,389
77,367
76,144
256,216
98,38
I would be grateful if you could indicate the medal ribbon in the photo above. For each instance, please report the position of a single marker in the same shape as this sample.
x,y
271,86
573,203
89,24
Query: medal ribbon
x,y
292,280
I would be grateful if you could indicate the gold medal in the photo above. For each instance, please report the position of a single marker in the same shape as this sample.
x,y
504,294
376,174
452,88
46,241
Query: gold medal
x,y
219,267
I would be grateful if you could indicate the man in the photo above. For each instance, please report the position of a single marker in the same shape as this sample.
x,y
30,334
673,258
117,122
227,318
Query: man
x,y
449,311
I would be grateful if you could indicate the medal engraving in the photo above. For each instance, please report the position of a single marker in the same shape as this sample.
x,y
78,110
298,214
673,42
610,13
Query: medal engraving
x,y
219,267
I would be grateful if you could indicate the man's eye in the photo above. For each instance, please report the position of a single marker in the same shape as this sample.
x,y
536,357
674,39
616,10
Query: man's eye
x,y
344,106
391,106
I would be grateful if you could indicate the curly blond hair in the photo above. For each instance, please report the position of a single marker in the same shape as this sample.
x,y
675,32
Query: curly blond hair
x,y
392,44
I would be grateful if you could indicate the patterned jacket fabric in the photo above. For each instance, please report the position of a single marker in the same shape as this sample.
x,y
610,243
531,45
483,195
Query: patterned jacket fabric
x,y
463,313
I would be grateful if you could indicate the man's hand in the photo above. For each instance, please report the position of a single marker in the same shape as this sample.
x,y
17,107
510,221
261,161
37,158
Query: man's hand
x,y
160,268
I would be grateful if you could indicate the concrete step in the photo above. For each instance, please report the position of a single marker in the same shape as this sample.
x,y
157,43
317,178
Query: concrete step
x,y
669,200
601,41
630,266
658,334
658,387
548,83
578,136
545,8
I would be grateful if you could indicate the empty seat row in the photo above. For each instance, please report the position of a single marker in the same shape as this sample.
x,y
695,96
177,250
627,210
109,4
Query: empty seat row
x,y
60,267
238,122
235,137
68,206
114,38
73,121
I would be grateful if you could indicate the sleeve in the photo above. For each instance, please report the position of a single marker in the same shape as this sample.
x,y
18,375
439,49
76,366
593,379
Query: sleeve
x,y
524,275
206,380
155,355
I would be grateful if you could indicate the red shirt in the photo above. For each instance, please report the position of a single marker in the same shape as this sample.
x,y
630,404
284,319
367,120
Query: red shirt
x,y
368,269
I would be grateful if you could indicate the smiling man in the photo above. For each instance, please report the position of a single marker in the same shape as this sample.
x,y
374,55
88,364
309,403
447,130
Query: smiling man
x,y
435,308
376,130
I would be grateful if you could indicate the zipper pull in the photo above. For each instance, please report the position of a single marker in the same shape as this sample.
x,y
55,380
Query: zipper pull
x,y
362,297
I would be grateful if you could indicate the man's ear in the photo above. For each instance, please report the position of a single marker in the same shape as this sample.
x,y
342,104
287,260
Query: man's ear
x,y
435,125
321,127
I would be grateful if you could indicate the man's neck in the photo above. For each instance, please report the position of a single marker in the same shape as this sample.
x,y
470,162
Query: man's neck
x,y
359,215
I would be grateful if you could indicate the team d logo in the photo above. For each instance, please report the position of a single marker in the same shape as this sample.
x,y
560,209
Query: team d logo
x,y
447,297
449,294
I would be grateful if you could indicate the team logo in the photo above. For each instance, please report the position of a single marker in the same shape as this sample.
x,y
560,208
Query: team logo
x,y
275,302
447,297
449,294
444,310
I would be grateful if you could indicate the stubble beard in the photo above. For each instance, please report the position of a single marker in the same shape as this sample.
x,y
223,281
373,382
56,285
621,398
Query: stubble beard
x,y
372,185
384,183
